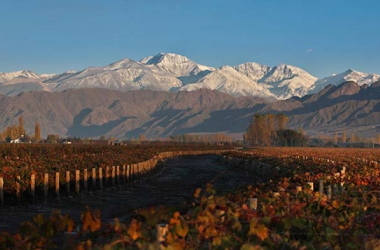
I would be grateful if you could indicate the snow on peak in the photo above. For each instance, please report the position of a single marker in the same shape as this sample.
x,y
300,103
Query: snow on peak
x,y
252,70
167,58
122,64
178,65
4,77
226,79
349,75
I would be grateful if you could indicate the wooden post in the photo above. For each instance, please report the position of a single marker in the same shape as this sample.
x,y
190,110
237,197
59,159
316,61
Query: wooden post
x,y
85,178
118,175
321,188
68,183
252,203
33,186
77,182
311,184
138,171
133,172
128,173
57,184
343,172
335,189
329,192
18,191
46,187
298,189
113,175
107,176
101,179
123,174
162,230
142,169
94,178
2,192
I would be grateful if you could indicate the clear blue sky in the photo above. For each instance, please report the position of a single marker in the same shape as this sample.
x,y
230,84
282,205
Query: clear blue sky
x,y
320,36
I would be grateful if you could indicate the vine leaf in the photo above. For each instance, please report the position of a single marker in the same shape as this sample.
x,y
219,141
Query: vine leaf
x,y
134,230
91,221
197,192
258,229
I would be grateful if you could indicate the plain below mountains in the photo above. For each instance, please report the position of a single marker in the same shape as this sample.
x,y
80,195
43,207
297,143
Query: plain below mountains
x,y
173,73
158,114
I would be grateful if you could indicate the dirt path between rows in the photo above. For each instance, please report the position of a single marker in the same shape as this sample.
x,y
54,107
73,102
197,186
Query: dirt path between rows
x,y
174,184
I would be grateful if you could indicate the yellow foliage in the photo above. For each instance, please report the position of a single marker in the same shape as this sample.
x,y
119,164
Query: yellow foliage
x,y
91,221
134,230
258,229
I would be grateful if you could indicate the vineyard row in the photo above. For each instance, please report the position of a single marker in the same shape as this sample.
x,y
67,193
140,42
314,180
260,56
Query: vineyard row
x,y
45,184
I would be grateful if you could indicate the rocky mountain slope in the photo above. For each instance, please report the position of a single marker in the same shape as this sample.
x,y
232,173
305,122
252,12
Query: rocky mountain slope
x,y
157,114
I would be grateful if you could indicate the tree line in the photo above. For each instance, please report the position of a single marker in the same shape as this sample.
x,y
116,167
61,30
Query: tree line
x,y
271,130
17,131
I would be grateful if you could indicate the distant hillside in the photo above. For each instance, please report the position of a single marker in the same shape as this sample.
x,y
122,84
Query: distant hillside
x,y
157,114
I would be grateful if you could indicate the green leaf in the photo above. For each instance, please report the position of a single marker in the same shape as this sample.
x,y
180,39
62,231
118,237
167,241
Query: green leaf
x,y
351,245
250,247
330,231
266,220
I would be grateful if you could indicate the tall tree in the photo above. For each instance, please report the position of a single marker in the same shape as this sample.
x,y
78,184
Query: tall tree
x,y
21,130
263,129
271,131
353,137
335,138
14,132
37,132
282,121
142,138
344,137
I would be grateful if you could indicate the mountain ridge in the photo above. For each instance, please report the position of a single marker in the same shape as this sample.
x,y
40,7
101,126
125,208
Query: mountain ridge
x,y
172,72
92,112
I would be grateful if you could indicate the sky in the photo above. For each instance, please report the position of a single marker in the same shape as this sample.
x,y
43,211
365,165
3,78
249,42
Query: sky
x,y
321,36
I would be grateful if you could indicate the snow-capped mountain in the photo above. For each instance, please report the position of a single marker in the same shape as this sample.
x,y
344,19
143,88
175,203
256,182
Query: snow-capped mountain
x,y
179,66
172,72
283,81
348,75
228,80
4,77
252,70
123,75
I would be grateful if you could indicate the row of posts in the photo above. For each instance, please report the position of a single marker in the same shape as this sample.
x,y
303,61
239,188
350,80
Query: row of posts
x,y
113,177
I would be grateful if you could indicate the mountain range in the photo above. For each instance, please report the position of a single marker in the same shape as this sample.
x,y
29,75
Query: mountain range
x,y
173,73
92,112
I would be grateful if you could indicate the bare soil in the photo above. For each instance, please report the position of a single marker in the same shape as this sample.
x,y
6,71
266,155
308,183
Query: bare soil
x,y
173,185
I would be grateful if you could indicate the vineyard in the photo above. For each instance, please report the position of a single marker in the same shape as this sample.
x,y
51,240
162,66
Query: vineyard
x,y
300,198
